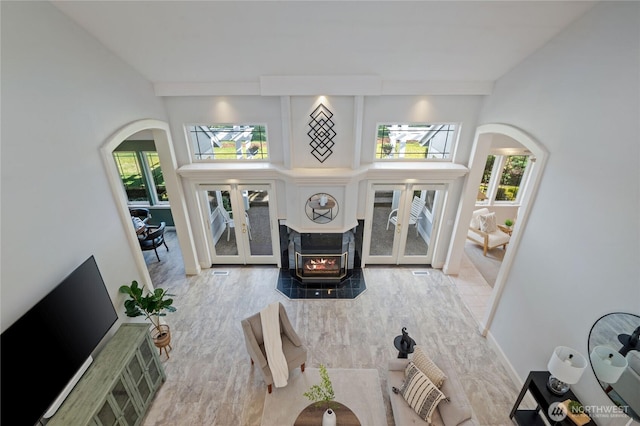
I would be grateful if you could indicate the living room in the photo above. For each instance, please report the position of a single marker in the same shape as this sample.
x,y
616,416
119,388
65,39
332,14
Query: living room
x,y
567,94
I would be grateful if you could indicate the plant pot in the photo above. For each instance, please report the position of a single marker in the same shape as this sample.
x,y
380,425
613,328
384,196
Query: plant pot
x,y
162,338
329,418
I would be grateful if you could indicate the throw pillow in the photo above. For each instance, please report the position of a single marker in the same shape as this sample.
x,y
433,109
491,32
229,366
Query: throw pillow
x,y
488,222
422,395
428,367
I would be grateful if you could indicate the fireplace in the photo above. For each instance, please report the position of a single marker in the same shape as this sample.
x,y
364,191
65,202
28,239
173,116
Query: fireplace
x,y
321,257
321,266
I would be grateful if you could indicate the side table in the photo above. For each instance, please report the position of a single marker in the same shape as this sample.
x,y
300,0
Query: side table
x,y
536,384
506,229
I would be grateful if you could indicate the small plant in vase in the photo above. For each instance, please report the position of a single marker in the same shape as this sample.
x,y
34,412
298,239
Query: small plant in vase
x,y
323,395
152,306
508,223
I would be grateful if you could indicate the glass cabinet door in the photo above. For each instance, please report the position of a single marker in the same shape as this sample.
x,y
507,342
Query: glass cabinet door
x,y
124,403
137,370
107,416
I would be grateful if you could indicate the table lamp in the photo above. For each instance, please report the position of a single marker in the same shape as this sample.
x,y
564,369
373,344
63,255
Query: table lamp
x,y
566,366
608,365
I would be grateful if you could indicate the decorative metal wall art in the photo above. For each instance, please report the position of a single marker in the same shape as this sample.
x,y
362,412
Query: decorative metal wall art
x,y
321,133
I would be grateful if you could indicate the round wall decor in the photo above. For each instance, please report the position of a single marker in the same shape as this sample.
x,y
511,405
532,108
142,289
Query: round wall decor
x,y
321,208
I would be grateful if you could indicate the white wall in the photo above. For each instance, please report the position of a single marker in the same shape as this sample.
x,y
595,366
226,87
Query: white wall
x,y
295,118
63,94
579,255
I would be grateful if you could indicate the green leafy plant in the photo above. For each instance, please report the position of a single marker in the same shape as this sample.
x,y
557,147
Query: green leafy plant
x,y
508,222
152,306
387,148
321,394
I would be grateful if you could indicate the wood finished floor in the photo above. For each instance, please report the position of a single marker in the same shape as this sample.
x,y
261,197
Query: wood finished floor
x,y
210,380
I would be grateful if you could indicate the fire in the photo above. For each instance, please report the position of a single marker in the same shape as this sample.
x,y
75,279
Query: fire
x,y
321,263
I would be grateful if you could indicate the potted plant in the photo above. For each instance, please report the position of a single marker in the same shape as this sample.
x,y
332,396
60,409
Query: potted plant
x,y
322,395
387,148
508,223
152,306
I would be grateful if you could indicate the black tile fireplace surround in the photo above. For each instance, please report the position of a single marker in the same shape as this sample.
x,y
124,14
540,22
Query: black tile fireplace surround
x,y
321,265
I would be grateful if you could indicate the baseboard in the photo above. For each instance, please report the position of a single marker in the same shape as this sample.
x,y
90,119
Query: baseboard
x,y
511,371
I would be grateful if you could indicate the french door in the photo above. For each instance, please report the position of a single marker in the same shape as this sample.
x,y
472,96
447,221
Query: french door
x,y
402,222
240,223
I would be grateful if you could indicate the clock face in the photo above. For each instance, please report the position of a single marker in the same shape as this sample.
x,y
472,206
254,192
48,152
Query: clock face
x,y
321,208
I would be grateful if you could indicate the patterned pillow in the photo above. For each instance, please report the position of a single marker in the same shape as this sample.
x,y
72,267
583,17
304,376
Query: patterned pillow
x,y
488,222
428,367
422,395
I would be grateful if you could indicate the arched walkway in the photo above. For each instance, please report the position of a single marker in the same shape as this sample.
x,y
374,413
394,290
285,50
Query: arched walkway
x,y
481,147
164,147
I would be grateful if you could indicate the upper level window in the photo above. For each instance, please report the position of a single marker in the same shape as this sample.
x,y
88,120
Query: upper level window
x,y
229,141
415,141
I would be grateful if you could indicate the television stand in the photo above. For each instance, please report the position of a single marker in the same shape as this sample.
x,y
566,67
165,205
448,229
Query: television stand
x,y
120,384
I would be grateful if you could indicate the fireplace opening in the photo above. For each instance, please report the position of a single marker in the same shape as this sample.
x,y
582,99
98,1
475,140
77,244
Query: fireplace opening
x,y
319,258
321,266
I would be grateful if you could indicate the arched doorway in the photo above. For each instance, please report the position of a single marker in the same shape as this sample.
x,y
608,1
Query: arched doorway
x,y
481,147
164,147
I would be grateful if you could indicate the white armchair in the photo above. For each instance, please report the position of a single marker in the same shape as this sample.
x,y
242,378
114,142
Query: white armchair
x,y
484,231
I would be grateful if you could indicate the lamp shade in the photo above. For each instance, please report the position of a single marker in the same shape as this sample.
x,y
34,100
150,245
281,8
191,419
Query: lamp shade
x,y
567,364
608,365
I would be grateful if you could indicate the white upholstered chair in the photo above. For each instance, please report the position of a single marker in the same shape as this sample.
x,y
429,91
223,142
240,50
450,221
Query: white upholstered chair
x,y
417,205
486,234
294,351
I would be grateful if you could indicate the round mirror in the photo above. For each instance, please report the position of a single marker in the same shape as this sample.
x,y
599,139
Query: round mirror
x,y
615,358
321,208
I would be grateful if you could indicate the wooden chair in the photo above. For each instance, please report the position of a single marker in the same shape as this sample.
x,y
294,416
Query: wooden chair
x,y
417,205
154,239
487,240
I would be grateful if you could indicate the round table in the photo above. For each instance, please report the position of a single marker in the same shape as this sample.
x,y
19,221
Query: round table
x,y
319,210
312,415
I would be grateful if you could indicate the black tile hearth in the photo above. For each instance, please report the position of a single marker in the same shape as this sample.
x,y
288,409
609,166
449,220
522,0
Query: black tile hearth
x,y
348,288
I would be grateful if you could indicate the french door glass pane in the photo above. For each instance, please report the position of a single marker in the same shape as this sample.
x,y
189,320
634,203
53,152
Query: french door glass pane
x,y
382,230
258,221
222,223
416,244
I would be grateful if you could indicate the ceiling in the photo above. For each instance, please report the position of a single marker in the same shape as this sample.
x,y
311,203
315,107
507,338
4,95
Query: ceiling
x,y
239,41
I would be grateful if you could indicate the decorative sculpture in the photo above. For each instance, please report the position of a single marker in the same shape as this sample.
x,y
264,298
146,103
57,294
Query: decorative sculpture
x,y
321,133
404,344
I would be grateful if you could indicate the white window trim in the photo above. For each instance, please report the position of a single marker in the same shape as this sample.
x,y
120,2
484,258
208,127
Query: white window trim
x,y
192,153
452,150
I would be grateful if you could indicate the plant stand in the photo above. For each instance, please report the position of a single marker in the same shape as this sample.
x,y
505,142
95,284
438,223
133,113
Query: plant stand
x,y
162,338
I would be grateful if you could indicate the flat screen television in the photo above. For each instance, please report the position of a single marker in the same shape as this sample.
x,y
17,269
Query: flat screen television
x,y
43,350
